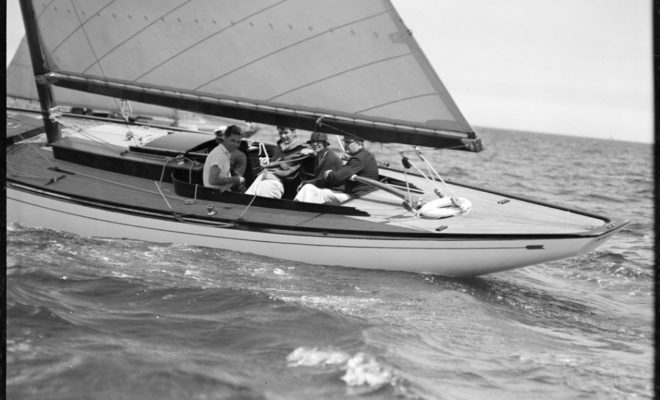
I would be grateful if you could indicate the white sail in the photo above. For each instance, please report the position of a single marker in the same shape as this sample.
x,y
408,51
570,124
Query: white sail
x,y
351,59
20,84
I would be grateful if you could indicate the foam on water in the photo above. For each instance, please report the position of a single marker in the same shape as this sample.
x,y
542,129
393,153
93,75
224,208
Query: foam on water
x,y
360,369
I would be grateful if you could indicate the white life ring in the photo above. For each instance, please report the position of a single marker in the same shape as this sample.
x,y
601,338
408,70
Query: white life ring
x,y
445,207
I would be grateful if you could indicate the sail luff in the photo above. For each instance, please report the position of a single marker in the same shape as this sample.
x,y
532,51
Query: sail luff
x,y
40,67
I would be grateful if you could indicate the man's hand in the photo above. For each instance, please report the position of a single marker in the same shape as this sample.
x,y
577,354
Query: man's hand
x,y
307,152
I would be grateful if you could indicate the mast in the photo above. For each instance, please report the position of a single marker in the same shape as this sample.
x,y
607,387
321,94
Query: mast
x,y
40,69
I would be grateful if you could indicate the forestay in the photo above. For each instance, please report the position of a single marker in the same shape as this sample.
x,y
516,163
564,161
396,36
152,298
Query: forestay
x,y
354,63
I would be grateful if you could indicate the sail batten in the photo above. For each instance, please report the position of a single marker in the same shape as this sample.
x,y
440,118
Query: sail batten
x,y
354,60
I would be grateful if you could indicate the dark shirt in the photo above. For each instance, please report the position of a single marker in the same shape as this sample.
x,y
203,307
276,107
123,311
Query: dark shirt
x,y
323,162
363,164
287,170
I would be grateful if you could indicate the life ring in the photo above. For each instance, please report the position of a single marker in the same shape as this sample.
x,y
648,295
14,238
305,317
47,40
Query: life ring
x,y
445,207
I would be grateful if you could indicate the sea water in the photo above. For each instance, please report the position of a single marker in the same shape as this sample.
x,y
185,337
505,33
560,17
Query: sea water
x,y
93,318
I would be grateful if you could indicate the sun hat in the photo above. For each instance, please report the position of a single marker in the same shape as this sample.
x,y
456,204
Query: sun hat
x,y
318,136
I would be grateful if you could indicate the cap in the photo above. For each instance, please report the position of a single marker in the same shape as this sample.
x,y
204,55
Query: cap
x,y
353,139
318,136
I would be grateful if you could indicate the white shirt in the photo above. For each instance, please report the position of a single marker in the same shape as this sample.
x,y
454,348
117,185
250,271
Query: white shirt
x,y
220,157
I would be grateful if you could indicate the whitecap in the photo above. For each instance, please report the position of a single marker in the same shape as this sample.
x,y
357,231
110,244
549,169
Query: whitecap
x,y
312,357
362,370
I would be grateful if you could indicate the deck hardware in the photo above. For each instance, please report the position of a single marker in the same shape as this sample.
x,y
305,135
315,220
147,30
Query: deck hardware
x,y
534,247
503,201
189,202
55,179
210,210
441,228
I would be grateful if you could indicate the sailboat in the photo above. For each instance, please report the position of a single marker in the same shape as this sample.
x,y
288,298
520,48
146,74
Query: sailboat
x,y
341,67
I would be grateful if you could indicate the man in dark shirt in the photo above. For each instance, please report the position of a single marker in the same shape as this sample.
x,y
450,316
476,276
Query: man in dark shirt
x,y
362,163
324,159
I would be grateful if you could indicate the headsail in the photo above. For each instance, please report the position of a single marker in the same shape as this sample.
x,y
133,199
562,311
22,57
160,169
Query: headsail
x,y
353,63
20,84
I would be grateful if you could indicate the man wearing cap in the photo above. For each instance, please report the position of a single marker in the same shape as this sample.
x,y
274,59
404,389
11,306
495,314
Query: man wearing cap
x,y
325,159
362,163
217,167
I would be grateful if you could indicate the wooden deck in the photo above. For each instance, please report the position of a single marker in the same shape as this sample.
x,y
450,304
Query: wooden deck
x,y
487,216
30,163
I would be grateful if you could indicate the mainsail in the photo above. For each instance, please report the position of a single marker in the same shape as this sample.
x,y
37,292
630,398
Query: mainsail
x,y
334,65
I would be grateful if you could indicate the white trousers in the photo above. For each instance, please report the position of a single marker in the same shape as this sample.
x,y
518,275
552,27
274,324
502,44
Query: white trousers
x,y
312,194
272,188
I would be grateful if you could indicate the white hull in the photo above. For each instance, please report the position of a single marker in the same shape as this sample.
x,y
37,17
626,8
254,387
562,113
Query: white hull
x,y
449,257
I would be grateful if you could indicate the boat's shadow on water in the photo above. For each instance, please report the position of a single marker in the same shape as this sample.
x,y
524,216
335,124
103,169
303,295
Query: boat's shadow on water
x,y
525,304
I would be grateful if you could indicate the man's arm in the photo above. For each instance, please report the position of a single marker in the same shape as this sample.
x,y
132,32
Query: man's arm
x,y
216,179
343,174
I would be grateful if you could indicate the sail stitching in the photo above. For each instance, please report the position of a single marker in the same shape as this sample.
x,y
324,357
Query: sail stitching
x,y
290,46
43,10
396,101
338,74
89,42
207,38
80,26
138,32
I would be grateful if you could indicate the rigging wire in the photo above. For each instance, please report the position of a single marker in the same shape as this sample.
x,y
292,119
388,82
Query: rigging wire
x,y
430,167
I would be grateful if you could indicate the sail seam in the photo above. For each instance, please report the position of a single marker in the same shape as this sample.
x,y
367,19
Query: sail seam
x,y
80,26
89,42
395,101
43,10
340,73
207,38
137,33
290,46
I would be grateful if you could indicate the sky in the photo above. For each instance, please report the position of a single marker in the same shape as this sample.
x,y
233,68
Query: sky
x,y
573,67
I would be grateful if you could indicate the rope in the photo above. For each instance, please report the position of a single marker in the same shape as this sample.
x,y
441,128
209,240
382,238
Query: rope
x,y
164,198
428,164
409,199
422,173
125,109
240,217
263,160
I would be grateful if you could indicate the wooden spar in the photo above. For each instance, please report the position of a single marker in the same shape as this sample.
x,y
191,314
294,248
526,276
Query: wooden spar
x,y
40,69
267,113
380,185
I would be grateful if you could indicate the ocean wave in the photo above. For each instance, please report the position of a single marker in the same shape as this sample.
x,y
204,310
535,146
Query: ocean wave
x,y
360,370
531,306
604,263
